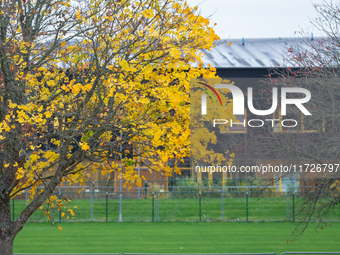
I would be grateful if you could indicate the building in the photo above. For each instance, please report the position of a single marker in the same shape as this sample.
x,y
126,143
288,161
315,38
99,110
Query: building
x,y
244,61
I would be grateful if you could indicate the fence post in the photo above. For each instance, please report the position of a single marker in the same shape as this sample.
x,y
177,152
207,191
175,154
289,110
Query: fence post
x,y
153,206
199,201
92,202
293,206
26,200
106,207
60,208
222,205
146,189
138,170
26,196
288,207
120,219
247,206
13,209
157,205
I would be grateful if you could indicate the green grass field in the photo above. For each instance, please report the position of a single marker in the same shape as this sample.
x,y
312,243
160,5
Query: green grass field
x,y
181,209
174,237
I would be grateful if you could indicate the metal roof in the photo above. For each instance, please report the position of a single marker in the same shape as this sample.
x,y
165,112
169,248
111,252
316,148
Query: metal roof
x,y
255,53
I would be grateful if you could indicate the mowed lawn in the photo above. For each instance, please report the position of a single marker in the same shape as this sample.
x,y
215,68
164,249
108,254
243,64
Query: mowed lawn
x,y
174,237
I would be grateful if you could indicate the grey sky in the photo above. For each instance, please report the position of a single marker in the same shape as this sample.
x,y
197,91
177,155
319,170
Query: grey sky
x,y
259,18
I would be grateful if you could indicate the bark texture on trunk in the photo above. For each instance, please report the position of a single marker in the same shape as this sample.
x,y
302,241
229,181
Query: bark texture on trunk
x,y
6,227
6,246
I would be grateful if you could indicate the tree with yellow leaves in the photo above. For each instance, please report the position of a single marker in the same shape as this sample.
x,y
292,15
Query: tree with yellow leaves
x,y
79,80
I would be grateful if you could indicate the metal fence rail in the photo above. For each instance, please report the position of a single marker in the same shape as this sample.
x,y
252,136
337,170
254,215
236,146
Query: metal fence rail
x,y
182,204
66,253
321,253
173,182
271,253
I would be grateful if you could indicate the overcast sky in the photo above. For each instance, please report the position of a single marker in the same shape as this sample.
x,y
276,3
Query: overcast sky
x,y
259,18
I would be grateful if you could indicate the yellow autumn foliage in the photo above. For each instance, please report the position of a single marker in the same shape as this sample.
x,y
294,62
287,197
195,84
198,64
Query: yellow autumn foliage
x,y
106,69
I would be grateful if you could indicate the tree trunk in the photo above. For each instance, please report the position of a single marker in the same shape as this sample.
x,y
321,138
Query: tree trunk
x,y
6,227
6,246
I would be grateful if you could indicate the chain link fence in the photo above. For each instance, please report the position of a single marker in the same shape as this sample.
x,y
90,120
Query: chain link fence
x,y
180,203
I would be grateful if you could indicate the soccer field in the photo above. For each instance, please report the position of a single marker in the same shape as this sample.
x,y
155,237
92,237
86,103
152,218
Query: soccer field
x,y
174,237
